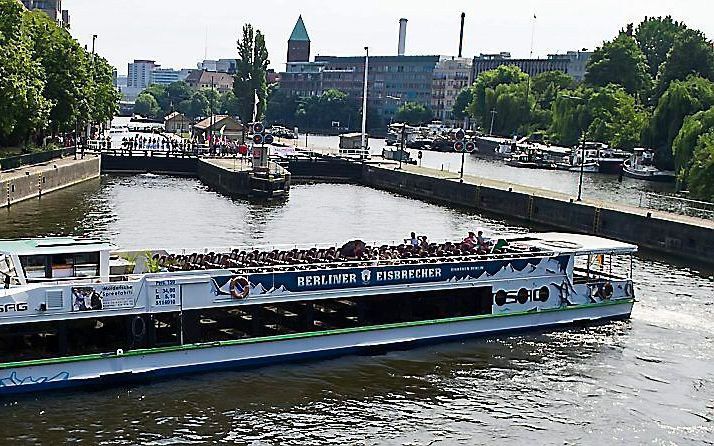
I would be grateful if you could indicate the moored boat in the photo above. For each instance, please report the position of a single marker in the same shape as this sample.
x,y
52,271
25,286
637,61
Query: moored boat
x,y
640,166
76,312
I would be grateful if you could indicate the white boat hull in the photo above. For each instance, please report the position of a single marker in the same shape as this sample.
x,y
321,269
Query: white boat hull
x,y
138,365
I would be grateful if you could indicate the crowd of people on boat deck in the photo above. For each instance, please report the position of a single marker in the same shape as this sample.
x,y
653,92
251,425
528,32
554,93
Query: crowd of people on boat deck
x,y
417,249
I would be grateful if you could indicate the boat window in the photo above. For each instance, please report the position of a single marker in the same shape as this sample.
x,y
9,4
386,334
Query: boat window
x,y
24,342
86,264
221,324
34,266
62,265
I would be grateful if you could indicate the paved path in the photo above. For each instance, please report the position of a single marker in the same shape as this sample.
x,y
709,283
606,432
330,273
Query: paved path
x,y
37,168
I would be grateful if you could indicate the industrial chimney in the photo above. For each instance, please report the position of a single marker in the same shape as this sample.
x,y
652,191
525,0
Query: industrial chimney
x,y
402,36
461,35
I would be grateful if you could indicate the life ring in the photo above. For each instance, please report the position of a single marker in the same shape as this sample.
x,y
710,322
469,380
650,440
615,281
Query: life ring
x,y
239,287
138,328
608,290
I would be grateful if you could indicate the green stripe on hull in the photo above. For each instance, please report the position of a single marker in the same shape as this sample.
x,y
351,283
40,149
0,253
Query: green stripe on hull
x,y
285,337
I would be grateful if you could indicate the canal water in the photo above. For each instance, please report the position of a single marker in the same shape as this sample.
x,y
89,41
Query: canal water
x,y
649,380
595,185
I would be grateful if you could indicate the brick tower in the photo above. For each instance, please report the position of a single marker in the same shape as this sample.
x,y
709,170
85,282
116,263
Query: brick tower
x,y
299,43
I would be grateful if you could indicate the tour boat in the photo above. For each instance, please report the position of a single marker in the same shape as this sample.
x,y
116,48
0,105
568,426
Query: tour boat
x,y
80,312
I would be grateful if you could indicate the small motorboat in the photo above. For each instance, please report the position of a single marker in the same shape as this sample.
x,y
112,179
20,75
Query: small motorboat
x,y
640,166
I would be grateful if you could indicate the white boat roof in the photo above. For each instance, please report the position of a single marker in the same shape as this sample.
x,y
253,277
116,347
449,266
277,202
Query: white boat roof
x,y
53,245
578,244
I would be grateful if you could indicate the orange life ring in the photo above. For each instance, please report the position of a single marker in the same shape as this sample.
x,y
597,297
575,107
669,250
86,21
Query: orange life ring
x,y
240,287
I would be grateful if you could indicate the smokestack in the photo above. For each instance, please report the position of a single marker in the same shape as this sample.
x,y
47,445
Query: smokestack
x,y
461,37
402,36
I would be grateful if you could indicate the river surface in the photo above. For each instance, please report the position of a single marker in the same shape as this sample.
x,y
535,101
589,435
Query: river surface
x,y
649,380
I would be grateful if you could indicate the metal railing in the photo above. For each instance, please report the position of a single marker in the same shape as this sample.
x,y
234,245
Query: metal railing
x,y
677,205
13,162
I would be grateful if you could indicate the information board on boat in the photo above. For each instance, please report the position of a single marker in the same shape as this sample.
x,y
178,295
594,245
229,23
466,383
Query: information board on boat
x,y
165,293
103,297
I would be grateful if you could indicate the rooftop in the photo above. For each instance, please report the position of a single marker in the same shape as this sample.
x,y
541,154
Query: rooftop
x,y
52,245
299,32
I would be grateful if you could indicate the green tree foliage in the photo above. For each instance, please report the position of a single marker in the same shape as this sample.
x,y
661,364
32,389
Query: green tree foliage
x,y
616,119
691,54
682,98
413,113
483,90
319,112
281,108
147,106
178,96
684,144
461,103
701,175
23,109
606,114
545,87
47,80
250,78
656,36
619,61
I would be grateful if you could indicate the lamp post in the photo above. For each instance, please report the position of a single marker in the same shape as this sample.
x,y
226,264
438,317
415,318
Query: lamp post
x,y
582,157
364,101
493,117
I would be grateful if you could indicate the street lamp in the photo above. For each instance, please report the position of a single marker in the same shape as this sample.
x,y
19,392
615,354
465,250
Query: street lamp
x,y
582,158
364,103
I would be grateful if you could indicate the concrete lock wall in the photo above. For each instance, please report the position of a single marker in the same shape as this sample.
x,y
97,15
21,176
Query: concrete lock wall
x,y
47,178
664,236
142,164
224,181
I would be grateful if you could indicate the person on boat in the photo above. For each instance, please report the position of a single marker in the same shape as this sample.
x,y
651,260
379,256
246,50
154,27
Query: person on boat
x,y
413,240
470,240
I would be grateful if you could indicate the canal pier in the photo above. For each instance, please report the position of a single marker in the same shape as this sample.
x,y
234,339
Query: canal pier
x,y
32,181
662,232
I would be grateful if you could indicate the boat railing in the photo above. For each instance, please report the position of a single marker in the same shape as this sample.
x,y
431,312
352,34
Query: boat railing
x,y
585,275
288,267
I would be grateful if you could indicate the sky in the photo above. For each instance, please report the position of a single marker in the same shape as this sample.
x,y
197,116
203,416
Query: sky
x,y
179,33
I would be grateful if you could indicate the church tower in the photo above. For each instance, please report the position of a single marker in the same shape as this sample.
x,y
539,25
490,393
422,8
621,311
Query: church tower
x,y
299,43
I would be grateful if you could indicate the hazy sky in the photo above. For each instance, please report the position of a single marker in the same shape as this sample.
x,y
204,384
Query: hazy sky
x,y
175,32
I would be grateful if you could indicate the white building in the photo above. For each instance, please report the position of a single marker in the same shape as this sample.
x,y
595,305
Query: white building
x,y
140,76
451,75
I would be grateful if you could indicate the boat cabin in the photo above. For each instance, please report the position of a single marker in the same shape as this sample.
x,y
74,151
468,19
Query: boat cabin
x,y
28,261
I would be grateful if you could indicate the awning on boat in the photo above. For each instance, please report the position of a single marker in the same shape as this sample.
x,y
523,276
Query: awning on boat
x,y
578,244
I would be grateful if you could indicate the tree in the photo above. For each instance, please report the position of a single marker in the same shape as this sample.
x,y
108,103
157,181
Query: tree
x,y
606,114
701,176
67,68
616,119
487,81
319,112
413,113
281,108
682,98
250,78
621,62
23,109
684,144
656,36
147,106
571,115
461,103
229,104
199,107
545,87
691,54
